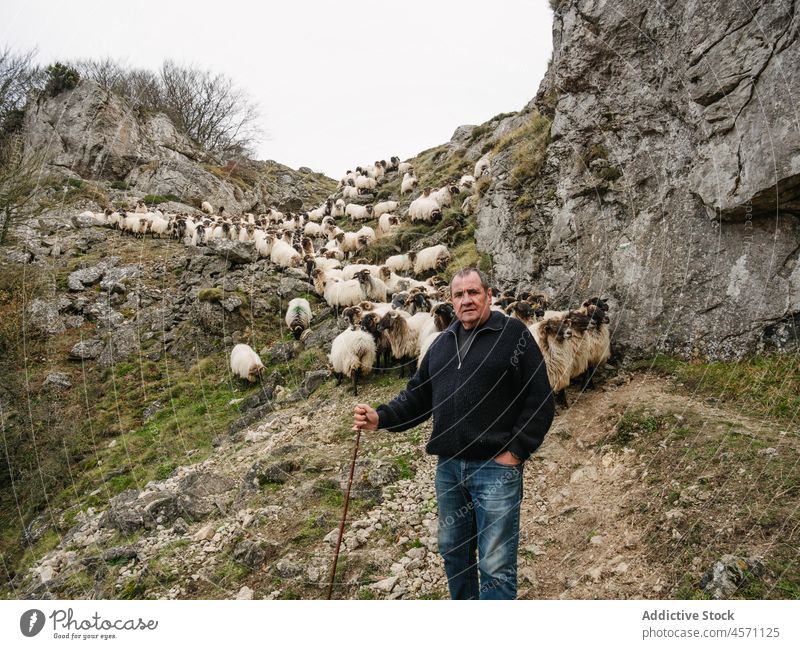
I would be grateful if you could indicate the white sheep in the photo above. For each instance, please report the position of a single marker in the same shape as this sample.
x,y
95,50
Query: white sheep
x,y
384,207
365,184
401,263
482,166
349,191
283,255
245,363
444,196
466,182
207,207
359,212
338,208
404,167
424,208
342,292
432,258
409,183
352,355
387,223
298,316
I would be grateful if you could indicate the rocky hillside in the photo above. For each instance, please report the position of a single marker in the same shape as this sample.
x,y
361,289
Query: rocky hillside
x,y
668,176
135,465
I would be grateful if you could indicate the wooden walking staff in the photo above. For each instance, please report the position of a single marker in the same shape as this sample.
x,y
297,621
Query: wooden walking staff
x,y
344,516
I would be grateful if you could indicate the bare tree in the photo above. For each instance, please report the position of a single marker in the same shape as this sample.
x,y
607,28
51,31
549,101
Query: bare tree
x,y
209,109
20,175
18,76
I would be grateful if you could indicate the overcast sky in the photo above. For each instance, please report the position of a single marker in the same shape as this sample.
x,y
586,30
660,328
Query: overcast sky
x,y
338,84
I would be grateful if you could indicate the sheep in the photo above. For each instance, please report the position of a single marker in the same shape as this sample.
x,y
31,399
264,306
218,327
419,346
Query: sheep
x,y
349,191
342,292
424,208
599,339
432,258
384,207
405,167
466,182
206,207
394,163
469,205
365,184
370,322
482,167
283,255
359,212
312,229
409,183
368,233
444,196
350,242
159,226
401,263
443,316
374,288
387,223
245,363
338,208
402,337
298,316
580,342
552,335
141,208
352,355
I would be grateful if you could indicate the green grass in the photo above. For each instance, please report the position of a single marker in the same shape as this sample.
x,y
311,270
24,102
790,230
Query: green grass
x,y
155,199
766,385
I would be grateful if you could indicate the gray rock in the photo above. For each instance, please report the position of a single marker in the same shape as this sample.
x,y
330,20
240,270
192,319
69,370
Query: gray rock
x,y
314,379
251,417
276,473
151,411
322,336
120,552
234,251
86,350
116,279
291,287
57,381
729,574
43,316
281,353
78,280
231,303
123,342
249,554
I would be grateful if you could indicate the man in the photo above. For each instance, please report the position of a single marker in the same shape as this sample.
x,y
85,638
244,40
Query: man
x,y
485,383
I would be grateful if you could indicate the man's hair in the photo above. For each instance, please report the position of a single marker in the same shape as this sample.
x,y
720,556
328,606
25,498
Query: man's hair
x,y
468,271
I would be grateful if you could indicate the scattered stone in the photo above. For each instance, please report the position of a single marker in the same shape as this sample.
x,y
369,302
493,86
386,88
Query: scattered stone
x,y
729,574
245,593
386,585
43,316
120,552
151,411
57,381
249,554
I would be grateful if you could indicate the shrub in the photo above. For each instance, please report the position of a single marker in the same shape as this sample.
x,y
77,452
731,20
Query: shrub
x,y
155,199
60,78
119,184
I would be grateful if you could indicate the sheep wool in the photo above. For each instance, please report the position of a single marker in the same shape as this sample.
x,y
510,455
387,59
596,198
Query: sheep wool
x,y
352,355
245,363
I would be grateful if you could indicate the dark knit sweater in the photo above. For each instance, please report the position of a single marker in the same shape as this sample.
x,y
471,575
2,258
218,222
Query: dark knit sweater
x,y
496,398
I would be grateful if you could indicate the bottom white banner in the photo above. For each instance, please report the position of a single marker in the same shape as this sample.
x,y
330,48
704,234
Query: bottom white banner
x,y
400,624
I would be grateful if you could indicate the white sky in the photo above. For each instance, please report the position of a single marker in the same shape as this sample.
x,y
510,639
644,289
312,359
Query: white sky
x,y
338,84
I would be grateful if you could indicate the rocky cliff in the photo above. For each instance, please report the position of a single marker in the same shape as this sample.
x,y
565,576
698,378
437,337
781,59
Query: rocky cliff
x,y
669,182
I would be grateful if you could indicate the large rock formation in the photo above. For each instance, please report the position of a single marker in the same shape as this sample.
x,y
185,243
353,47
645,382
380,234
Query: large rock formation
x,y
91,133
671,180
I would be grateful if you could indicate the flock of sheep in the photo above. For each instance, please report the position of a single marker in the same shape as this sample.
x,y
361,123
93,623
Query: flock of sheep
x,y
394,310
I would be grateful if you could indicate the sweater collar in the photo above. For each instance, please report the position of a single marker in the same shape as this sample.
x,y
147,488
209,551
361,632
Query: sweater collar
x,y
495,323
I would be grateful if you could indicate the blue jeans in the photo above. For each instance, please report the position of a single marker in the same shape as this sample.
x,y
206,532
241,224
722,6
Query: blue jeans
x,y
479,503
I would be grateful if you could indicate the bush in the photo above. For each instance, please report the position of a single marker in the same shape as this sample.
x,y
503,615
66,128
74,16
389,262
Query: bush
x,y
155,199
60,78
119,184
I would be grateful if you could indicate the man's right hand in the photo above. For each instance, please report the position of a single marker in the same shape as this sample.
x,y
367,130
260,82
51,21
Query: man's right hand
x,y
364,417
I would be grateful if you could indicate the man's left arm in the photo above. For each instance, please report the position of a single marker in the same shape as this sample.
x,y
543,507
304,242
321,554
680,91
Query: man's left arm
x,y
537,407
